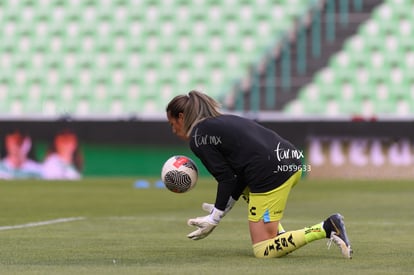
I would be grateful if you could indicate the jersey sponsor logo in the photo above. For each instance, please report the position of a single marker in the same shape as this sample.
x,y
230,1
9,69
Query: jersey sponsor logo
x,y
200,140
282,153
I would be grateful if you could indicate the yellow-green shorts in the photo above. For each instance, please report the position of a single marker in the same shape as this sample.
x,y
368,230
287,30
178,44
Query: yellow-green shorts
x,y
270,206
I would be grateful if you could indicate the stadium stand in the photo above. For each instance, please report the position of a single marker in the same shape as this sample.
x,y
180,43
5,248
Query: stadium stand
x,y
372,74
122,57
305,49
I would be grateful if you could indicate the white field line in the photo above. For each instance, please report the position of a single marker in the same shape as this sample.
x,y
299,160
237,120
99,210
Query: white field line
x,y
42,223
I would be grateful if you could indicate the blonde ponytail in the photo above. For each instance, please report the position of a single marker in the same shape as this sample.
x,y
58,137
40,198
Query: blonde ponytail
x,y
195,106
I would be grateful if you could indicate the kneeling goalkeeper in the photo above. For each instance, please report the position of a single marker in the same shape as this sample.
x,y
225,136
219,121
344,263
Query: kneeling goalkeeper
x,y
250,160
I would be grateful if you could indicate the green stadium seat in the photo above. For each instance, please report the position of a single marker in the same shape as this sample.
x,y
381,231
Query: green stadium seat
x,y
385,106
317,107
351,107
70,46
373,72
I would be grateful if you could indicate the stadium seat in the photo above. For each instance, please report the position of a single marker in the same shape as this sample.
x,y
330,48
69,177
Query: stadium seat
x,y
372,75
70,46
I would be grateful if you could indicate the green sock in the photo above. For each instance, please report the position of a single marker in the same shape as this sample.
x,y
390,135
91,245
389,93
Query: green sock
x,y
314,233
281,229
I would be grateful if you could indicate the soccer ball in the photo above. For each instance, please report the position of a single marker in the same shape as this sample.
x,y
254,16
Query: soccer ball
x,y
179,174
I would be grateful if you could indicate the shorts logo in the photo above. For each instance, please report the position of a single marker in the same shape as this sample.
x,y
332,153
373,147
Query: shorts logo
x,y
252,211
278,212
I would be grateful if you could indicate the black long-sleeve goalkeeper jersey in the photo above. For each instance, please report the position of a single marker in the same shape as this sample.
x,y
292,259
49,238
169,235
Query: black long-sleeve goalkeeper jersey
x,y
239,152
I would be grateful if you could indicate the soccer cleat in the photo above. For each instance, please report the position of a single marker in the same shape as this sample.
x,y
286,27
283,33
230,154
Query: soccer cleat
x,y
338,235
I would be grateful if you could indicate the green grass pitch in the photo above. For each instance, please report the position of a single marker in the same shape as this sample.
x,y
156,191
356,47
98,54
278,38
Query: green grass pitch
x,y
123,230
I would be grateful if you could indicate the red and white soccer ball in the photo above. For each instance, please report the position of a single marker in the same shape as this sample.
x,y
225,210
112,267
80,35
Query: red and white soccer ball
x,y
179,174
